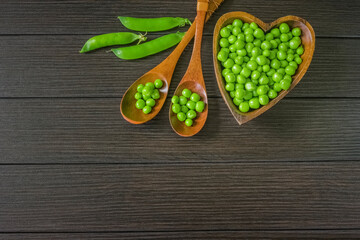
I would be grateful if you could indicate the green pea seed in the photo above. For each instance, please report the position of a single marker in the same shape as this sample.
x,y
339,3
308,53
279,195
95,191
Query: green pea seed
x,y
176,108
182,100
147,109
158,83
175,99
184,109
150,102
189,122
200,106
155,94
138,96
186,93
244,107
140,104
181,116
191,114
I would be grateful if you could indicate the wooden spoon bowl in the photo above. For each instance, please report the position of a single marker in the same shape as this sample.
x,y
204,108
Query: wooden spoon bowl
x,y
308,41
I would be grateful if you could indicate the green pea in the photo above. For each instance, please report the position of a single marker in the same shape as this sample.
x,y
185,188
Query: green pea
x,y
146,97
255,75
148,48
232,94
200,106
239,44
181,116
158,83
273,54
249,38
277,87
189,122
150,85
284,84
147,91
111,39
175,99
182,100
237,101
230,78
249,31
294,43
253,25
266,53
277,77
284,63
263,89
283,47
250,86
272,94
186,93
248,95
232,56
271,72
298,60
290,70
155,94
240,93
263,99
255,52
259,33
266,68
191,114
274,44
232,48
176,108
240,79
229,63
241,37
232,39
138,96
244,107
230,87
288,78
222,55
241,52
293,64
245,72
230,27
225,32
252,65
296,32
236,69
284,28
269,36
191,105
290,35
147,109
195,97
290,51
259,69
254,103
275,64
140,104
284,37
257,43
239,60
239,86
224,42
184,109
254,93
300,50
150,102
281,71
275,32
290,57
263,80
266,45
237,23
140,87
245,26
236,31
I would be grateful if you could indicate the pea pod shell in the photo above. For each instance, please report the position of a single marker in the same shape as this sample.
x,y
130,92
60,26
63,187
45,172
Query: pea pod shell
x,y
153,24
149,48
110,39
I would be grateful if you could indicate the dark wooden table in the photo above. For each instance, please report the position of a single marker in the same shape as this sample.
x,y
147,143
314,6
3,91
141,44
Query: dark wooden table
x,y
72,168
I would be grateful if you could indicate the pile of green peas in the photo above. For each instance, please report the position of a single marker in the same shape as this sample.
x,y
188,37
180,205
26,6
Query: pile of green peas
x,y
186,106
257,66
147,94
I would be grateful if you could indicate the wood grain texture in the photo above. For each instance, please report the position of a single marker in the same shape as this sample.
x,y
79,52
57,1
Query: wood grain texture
x,y
180,197
329,18
177,235
50,66
92,130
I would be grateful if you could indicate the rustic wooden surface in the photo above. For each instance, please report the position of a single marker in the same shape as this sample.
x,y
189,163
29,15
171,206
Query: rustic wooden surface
x,y
72,168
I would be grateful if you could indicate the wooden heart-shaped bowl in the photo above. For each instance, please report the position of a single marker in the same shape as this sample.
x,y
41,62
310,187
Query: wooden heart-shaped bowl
x,y
308,42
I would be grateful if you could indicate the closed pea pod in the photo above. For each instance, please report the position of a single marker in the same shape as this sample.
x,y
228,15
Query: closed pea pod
x,y
153,24
149,48
111,39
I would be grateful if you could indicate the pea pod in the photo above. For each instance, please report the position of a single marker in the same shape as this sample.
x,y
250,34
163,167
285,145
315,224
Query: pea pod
x,y
149,48
153,24
111,39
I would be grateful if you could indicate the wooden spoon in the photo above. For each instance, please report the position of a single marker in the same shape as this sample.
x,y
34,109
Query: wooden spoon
x,y
163,71
308,41
193,80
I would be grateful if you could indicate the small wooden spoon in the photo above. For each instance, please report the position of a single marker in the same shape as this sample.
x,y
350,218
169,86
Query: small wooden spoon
x,y
193,80
308,41
163,71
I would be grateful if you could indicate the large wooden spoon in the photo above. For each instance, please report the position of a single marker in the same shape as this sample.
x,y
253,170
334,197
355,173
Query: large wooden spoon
x,y
193,79
163,71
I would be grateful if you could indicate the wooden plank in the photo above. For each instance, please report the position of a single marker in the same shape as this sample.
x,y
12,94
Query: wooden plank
x,y
52,67
329,18
93,131
210,235
177,197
